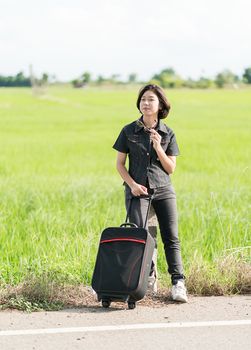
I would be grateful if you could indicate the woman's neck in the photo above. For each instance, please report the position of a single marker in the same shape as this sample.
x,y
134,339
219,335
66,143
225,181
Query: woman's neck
x,y
150,121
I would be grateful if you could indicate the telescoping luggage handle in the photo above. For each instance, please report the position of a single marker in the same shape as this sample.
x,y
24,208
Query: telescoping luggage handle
x,y
127,223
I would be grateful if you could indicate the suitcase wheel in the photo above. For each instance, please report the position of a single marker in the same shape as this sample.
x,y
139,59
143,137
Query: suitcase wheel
x,y
106,303
131,305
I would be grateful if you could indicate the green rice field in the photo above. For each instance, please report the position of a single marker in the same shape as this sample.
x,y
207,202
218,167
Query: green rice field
x,y
59,187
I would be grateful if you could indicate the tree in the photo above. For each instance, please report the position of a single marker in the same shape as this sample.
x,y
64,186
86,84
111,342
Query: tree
x,y
168,71
247,75
20,76
219,80
77,83
100,79
225,77
114,78
18,80
86,77
132,78
203,83
82,81
190,83
45,78
168,78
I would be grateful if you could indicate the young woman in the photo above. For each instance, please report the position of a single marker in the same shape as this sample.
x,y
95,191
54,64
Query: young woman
x,y
152,149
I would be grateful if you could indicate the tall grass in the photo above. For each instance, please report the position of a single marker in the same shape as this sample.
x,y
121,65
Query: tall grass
x,y
59,188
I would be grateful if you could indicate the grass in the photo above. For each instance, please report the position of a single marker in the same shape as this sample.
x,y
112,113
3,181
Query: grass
x,y
59,188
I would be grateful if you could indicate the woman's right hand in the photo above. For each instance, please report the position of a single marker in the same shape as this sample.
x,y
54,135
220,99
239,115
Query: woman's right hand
x,y
138,190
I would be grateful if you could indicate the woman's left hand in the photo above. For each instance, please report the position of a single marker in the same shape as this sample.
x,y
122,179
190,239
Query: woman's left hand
x,y
155,138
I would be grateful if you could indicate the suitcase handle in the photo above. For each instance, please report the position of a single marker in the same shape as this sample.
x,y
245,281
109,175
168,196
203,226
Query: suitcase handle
x,y
128,224
150,198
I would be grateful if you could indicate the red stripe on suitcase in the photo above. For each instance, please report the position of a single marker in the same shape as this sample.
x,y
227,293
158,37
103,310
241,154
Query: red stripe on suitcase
x,y
123,239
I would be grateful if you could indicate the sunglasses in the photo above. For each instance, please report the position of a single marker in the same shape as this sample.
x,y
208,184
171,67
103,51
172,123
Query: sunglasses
x,y
146,129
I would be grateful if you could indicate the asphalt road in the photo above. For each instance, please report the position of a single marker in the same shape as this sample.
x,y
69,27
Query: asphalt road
x,y
203,323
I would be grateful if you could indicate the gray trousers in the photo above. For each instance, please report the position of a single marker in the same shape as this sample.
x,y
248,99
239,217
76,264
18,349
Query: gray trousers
x,y
164,205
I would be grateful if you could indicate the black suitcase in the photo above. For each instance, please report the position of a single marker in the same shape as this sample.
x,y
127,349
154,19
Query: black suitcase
x,y
123,263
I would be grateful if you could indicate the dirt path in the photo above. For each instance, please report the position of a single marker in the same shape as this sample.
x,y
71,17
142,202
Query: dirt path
x,y
194,325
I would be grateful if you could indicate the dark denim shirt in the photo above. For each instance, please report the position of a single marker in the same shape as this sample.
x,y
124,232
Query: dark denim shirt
x,y
144,166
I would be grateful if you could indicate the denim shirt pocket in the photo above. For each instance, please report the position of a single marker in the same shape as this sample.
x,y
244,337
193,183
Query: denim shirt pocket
x,y
133,138
135,145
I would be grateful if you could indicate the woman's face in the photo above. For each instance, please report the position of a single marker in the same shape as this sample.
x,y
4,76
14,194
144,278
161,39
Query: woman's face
x,y
149,103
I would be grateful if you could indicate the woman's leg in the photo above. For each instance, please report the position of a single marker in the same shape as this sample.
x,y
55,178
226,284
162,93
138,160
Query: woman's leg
x,y
137,209
166,212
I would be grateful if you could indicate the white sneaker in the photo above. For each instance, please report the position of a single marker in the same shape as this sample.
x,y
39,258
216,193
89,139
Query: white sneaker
x,y
179,292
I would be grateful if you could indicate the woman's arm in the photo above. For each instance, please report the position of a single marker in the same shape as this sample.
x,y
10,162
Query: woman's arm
x,y
168,162
136,188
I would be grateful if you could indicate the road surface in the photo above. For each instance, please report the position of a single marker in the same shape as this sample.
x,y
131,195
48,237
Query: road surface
x,y
222,323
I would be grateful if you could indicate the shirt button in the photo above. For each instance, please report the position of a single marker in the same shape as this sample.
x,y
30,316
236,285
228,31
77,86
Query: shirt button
x,y
147,154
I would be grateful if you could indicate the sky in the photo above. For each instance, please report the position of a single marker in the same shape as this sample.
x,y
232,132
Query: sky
x,y
66,38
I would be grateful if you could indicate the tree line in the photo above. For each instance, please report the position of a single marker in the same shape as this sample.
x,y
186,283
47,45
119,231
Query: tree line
x,y
15,81
167,78
20,80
